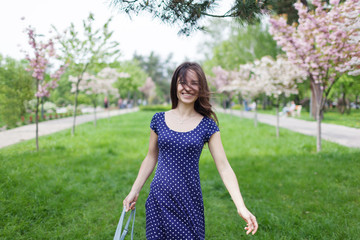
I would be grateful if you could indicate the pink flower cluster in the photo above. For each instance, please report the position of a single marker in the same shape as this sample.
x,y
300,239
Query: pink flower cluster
x,y
269,76
39,63
323,42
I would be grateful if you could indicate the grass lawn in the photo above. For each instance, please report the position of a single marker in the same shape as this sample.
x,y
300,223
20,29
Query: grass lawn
x,y
331,116
74,187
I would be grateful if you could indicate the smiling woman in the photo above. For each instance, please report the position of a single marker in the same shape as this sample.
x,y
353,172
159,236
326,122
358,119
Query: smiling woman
x,y
174,207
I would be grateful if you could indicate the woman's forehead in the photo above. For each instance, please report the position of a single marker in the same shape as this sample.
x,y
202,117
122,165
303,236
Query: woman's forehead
x,y
190,76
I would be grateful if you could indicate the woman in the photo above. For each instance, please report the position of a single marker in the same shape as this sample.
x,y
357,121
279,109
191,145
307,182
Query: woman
x,y
174,207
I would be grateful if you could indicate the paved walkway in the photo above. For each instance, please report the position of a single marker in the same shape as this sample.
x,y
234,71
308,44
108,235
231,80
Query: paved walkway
x,y
27,132
346,136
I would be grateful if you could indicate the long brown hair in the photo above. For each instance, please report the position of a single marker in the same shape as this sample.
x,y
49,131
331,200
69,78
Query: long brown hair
x,y
202,104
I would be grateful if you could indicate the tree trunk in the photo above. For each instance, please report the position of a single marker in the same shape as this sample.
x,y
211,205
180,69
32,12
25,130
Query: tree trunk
x,y
343,109
255,115
313,102
318,133
75,107
95,116
264,102
37,123
319,100
94,104
42,107
277,119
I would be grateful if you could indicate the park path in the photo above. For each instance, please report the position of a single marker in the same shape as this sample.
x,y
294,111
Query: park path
x,y
27,132
346,136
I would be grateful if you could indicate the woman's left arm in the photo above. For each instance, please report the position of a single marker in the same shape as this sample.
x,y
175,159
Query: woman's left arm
x,y
229,178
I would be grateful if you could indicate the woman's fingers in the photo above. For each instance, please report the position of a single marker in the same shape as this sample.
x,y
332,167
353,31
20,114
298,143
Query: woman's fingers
x,y
255,224
129,205
252,225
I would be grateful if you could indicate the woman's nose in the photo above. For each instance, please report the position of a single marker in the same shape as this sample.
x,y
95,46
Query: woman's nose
x,y
186,87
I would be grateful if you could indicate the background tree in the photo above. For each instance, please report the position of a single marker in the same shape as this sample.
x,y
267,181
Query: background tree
x,y
16,88
188,14
244,81
345,91
39,62
321,45
83,53
279,78
160,72
101,84
128,85
244,44
148,89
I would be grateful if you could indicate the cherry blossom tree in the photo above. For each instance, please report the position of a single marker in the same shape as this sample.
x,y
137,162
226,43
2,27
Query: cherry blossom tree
x,y
86,51
242,81
94,85
223,78
278,77
323,44
148,89
39,64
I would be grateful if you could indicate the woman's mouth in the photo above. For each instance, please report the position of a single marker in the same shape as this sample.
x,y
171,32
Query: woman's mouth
x,y
187,95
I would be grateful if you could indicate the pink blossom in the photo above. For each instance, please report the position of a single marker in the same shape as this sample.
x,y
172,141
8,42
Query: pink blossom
x,y
43,52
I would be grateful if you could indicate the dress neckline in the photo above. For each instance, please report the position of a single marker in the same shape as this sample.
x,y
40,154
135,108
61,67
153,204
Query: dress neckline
x,y
178,131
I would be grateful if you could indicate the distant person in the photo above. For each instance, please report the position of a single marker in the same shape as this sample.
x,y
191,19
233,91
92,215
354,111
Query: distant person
x,y
253,106
288,110
106,103
174,206
120,103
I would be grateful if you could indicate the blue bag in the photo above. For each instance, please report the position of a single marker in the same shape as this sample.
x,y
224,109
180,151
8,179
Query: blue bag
x,y
119,234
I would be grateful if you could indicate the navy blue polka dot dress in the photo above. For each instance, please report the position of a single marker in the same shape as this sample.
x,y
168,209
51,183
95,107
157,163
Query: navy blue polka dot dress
x,y
174,207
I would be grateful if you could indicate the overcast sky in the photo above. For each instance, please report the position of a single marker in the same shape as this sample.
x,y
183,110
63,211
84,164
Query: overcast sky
x,y
141,34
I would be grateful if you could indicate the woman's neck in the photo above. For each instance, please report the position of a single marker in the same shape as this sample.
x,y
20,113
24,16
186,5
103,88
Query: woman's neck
x,y
185,110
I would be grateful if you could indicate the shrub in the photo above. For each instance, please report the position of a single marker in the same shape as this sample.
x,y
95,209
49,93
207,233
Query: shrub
x,y
158,108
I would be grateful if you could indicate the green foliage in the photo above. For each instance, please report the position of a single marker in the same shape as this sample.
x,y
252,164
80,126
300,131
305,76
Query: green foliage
x,y
129,86
16,88
83,52
61,95
73,188
344,91
157,108
245,44
160,72
188,14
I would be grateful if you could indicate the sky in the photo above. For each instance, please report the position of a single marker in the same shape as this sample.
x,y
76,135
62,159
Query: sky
x,y
141,33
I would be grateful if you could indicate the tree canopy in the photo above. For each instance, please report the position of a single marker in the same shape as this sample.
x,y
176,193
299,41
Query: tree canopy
x,y
189,13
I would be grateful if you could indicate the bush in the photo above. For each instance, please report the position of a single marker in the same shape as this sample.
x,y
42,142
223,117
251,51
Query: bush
x,y
237,107
157,108
49,107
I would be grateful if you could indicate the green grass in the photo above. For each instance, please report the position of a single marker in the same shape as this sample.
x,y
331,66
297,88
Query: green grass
x,y
330,116
74,187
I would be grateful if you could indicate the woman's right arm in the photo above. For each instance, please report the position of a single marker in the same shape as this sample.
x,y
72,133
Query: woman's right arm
x,y
145,171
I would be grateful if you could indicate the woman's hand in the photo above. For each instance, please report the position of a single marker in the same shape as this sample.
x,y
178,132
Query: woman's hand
x,y
130,201
252,225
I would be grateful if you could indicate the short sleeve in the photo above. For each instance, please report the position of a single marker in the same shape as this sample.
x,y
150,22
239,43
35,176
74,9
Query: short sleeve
x,y
153,123
211,129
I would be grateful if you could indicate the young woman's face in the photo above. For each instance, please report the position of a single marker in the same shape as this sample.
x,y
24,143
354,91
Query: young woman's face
x,y
184,93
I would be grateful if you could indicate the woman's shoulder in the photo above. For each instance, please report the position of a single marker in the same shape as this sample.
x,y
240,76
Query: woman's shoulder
x,y
209,120
158,114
